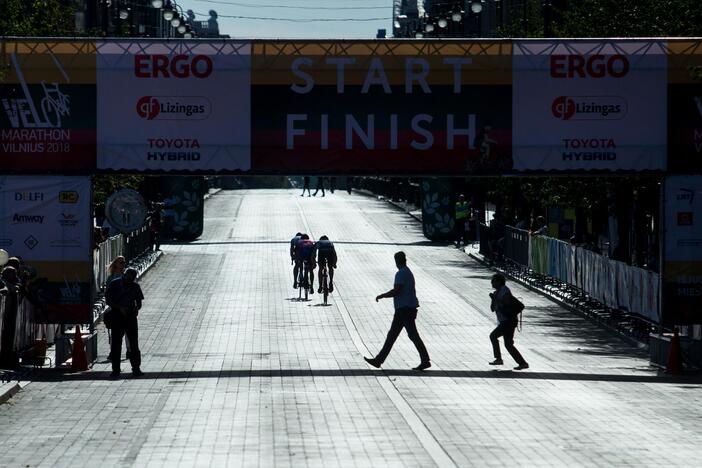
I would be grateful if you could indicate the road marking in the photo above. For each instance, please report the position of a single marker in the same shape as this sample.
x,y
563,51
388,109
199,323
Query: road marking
x,y
420,430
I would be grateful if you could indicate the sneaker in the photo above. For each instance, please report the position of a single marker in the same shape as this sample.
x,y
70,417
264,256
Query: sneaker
x,y
295,285
496,362
114,375
522,366
422,366
373,362
137,373
311,291
319,290
331,287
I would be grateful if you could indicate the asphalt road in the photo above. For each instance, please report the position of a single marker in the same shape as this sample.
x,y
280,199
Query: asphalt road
x,y
241,373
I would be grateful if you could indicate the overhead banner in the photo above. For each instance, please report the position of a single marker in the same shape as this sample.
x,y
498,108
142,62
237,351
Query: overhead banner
x,y
685,107
369,107
174,106
393,107
46,220
589,105
682,261
47,107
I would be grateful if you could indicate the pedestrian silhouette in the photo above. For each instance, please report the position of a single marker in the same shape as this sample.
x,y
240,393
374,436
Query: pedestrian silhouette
x,y
406,304
306,186
507,323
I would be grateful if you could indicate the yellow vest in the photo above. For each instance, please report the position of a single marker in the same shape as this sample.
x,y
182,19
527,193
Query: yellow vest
x,y
462,210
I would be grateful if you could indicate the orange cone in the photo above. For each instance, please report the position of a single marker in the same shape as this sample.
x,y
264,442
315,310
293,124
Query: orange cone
x,y
674,356
79,361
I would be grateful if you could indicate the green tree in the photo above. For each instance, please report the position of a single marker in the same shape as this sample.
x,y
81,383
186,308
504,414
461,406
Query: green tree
x,y
50,18
630,18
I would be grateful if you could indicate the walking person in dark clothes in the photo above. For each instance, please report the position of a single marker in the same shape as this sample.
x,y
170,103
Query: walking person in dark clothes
x,y
306,186
124,297
406,304
507,323
320,186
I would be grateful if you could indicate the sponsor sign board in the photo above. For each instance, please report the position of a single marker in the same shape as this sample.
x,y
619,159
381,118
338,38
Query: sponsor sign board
x,y
173,106
585,105
47,107
53,238
682,267
684,107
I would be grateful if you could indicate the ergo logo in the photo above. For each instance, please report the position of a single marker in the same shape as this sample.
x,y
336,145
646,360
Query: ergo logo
x,y
592,66
178,66
147,107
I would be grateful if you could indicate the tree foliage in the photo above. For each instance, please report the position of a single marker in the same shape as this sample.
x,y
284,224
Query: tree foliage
x,y
630,18
34,18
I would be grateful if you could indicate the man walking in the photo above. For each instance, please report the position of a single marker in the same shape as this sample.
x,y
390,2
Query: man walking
x,y
406,304
507,323
124,297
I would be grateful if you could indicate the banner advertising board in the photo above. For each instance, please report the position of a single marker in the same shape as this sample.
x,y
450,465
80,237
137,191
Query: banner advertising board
x,y
582,106
393,107
682,261
369,107
685,107
173,106
46,220
47,107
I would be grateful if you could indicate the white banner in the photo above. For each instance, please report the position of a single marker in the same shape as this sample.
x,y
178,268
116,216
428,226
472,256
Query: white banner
x,y
589,105
166,106
46,218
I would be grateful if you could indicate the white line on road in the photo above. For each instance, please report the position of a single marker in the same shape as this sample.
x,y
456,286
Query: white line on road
x,y
421,431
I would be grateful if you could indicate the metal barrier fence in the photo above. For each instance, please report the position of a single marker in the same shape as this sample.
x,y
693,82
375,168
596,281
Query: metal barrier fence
x,y
22,338
612,283
517,245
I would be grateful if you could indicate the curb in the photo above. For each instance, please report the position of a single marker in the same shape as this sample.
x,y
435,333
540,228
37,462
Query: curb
x,y
11,391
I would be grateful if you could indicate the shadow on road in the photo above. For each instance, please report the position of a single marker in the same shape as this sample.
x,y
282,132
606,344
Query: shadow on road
x,y
694,380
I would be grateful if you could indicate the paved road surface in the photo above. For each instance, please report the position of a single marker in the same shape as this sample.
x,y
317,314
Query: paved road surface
x,y
239,373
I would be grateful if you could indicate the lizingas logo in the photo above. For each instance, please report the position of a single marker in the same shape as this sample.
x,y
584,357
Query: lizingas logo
x,y
173,108
589,108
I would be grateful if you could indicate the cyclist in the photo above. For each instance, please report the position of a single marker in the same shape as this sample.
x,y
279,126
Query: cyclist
x,y
305,253
326,255
293,257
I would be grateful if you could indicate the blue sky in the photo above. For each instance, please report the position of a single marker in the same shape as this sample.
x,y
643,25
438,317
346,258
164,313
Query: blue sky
x,y
287,19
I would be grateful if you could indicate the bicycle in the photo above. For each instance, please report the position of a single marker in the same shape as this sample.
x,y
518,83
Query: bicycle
x,y
323,274
303,280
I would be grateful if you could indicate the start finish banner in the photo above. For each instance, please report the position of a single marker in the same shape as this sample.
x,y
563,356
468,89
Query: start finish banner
x,y
46,220
431,107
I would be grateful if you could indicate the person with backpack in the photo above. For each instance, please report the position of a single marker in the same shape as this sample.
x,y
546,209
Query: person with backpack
x,y
507,308
305,253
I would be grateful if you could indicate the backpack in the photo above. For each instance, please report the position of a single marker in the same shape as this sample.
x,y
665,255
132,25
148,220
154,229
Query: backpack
x,y
515,309
306,248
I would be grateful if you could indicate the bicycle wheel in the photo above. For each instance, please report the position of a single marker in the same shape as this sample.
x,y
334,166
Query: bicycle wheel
x,y
307,282
325,286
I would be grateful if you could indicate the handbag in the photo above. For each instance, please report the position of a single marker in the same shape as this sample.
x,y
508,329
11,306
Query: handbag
x,y
108,317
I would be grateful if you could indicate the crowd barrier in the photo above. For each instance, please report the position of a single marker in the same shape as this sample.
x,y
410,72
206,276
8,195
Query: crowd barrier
x,y
20,335
612,283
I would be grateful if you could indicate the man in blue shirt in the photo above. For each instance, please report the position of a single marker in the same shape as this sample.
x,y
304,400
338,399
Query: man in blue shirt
x,y
405,300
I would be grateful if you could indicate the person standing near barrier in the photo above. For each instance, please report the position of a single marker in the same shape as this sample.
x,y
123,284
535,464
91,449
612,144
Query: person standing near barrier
x,y
124,297
115,270
462,217
406,304
507,323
